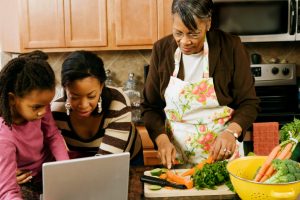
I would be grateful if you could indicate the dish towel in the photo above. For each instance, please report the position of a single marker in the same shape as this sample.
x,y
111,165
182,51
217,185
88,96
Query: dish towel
x,y
265,137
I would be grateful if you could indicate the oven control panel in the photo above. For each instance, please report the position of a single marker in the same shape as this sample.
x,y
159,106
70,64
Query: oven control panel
x,y
274,74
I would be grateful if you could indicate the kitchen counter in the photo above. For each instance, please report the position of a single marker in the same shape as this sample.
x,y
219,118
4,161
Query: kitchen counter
x,y
135,189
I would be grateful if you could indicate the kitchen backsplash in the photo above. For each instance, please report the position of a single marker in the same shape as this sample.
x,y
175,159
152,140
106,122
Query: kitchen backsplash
x,y
121,63
280,51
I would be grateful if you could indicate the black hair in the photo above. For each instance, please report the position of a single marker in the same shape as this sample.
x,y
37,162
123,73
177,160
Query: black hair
x,y
22,75
189,9
82,64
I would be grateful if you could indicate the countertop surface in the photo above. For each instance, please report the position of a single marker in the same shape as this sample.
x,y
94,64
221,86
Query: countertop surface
x,y
136,189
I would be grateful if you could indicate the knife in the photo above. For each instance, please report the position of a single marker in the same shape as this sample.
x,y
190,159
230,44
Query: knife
x,y
157,181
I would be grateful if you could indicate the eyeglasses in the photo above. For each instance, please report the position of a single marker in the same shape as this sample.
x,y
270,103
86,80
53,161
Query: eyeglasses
x,y
180,35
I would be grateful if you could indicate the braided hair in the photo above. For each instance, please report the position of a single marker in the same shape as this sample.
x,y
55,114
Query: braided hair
x,y
22,75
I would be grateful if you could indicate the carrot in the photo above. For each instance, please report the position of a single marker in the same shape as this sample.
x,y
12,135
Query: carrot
x,y
288,156
284,154
163,176
179,179
189,172
267,163
286,150
200,165
268,174
209,160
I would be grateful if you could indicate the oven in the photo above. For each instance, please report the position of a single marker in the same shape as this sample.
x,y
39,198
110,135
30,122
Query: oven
x,y
276,86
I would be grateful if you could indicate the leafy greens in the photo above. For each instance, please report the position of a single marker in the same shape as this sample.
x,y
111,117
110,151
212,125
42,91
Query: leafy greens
x,y
212,175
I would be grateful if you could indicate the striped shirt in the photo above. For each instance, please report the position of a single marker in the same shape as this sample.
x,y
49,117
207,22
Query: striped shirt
x,y
116,132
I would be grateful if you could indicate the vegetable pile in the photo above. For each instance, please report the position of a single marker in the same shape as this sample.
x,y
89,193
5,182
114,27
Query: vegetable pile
x,y
199,166
206,174
289,137
286,171
171,176
212,175
292,129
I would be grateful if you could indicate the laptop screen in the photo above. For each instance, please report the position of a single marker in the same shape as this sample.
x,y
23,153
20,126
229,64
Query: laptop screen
x,y
98,177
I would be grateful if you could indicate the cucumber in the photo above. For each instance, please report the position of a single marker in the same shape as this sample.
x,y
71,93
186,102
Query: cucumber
x,y
154,187
156,172
164,170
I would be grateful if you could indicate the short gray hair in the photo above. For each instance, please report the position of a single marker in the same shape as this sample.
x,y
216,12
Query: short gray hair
x,y
188,9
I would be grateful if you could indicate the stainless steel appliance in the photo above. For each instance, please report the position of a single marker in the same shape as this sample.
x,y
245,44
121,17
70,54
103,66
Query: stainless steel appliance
x,y
276,86
258,20
298,20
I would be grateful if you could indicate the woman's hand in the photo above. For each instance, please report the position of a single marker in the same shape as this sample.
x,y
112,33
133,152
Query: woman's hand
x,y
166,150
23,176
224,146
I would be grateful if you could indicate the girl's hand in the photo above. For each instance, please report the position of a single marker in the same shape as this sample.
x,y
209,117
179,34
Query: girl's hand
x,y
166,150
23,176
224,146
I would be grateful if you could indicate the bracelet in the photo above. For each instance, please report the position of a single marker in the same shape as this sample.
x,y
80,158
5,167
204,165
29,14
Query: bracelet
x,y
235,134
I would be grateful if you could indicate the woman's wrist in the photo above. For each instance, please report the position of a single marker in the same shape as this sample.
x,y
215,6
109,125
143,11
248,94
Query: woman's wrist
x,y
235,134
162,138
234,129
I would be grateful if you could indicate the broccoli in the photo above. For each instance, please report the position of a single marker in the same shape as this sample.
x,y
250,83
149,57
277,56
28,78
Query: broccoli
x,y
286,171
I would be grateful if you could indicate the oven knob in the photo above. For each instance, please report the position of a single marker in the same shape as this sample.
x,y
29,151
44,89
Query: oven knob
x,y
275,70
285,71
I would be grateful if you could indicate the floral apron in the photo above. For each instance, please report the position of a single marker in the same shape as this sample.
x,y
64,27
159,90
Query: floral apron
x,y
194,115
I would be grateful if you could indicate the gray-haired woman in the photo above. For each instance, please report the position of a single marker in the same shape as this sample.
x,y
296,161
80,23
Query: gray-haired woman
x,y
199,94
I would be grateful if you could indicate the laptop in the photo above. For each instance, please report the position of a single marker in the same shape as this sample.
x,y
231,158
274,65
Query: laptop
x,y
104,177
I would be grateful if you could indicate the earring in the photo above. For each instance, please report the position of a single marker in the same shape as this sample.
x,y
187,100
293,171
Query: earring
x,y
68,107
100,105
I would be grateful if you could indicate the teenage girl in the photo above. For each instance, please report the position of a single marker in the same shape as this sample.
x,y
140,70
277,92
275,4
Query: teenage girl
x,y
28,135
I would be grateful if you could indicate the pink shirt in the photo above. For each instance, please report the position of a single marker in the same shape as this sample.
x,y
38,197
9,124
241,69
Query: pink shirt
x,y
27,147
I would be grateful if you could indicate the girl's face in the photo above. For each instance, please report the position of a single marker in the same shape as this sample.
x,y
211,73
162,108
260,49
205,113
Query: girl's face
x,y
190,42
83,95
30,107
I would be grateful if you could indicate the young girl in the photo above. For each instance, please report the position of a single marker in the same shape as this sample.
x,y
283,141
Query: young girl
x,y
28,135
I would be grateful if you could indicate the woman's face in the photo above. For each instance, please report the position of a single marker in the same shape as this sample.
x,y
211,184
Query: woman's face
x,y
83,95
190,42
31,106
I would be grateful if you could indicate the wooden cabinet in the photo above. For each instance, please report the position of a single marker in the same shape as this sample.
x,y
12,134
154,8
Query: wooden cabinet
x,y
42,23
85,23
136,22
67,25
53,25
164,18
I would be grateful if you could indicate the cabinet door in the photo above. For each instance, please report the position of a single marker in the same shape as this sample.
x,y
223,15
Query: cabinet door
x,y
136,22
43,23
85,23
164,18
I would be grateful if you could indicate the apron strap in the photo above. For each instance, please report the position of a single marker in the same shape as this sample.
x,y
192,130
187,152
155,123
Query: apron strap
x,y
177,57
205,63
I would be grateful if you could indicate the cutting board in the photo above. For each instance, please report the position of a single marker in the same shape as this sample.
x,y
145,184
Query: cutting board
x,y
221,190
